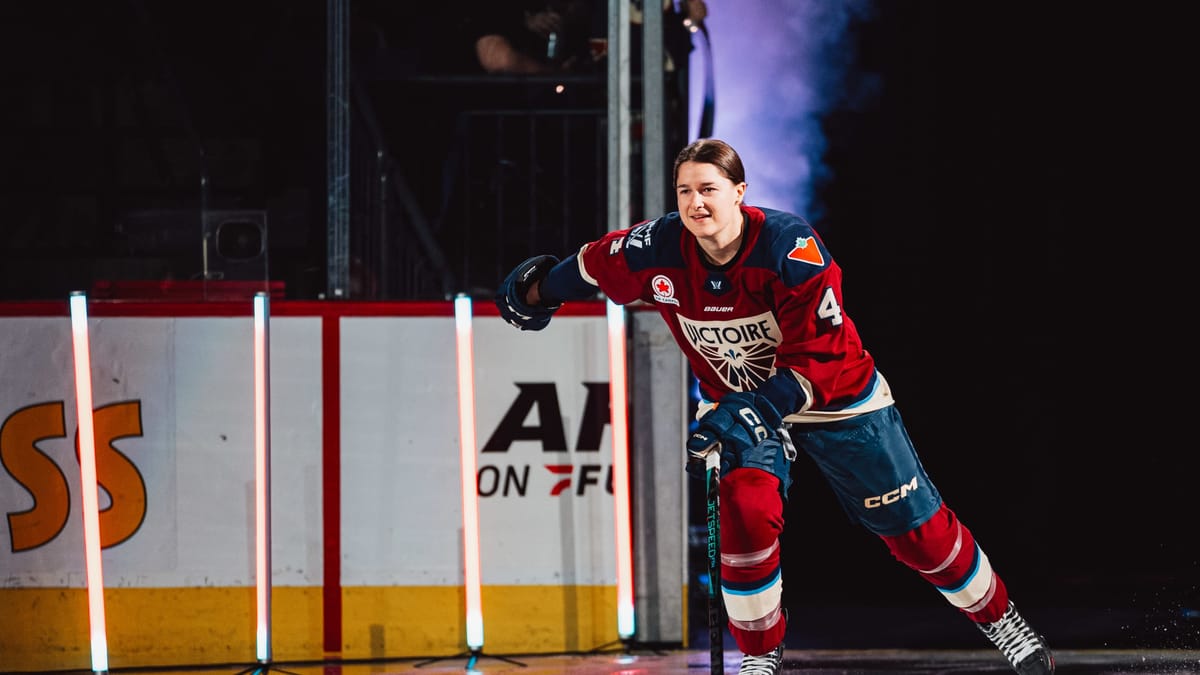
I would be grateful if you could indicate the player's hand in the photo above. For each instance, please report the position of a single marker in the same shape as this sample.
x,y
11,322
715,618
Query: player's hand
x,y
699,445
543,22
740,422
512,298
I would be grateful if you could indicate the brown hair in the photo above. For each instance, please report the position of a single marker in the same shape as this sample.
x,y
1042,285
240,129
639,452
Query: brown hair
x,y
712,151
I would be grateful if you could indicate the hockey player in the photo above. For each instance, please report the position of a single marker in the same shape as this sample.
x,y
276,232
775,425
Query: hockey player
x,y
754,300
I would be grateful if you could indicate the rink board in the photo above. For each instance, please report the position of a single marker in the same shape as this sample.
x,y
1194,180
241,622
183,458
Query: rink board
x,y
377,498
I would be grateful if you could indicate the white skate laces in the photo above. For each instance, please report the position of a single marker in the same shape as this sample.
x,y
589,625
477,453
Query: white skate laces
x,y
1024,648
770,663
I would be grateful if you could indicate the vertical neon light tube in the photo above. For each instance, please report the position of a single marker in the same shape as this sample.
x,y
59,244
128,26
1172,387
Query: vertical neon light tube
x,y
620,467
87,476
262,473
470,490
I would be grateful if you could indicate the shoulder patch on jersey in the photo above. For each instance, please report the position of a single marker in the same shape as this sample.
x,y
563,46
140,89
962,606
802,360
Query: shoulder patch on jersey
x,y
654,243
806,250
641,236
790,246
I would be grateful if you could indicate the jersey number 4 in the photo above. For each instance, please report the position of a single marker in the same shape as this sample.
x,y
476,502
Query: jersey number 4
x,y
829,307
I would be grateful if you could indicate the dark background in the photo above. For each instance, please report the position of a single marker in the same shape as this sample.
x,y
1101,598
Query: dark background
x,y
1006,197
114,113
1003,211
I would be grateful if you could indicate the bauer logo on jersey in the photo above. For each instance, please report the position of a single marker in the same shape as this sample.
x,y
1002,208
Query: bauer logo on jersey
x,y
806,250
740,351
664,289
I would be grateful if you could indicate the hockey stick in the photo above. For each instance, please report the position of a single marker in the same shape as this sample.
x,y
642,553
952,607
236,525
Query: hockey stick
x,y
708,111
716,629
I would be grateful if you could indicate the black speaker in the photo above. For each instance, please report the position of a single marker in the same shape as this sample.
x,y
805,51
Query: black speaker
x,y
235,245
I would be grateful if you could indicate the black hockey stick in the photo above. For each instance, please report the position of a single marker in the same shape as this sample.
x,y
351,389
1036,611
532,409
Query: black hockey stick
x,y
716,628
708,111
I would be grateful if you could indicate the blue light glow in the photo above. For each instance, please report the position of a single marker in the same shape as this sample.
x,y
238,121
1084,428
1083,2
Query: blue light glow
x,y
777,67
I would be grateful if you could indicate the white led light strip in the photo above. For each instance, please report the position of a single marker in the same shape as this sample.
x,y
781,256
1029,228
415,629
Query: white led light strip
x,y
87,474
262,474
470,498
620,437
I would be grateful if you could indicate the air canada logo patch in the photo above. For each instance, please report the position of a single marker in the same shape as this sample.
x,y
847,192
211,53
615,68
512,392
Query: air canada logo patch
x,y
806,250
664,289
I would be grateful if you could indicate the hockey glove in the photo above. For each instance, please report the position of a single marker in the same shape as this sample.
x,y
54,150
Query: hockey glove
x,y
510,298
697,465
740,422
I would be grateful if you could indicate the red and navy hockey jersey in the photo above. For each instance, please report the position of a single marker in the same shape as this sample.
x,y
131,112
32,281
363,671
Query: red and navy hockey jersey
x,y
777,304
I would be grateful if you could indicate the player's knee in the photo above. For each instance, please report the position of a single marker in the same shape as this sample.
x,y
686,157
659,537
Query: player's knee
x,y
752,496
931,544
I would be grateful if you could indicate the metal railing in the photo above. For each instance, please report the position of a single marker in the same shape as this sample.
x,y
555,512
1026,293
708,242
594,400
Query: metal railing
x,y
513,182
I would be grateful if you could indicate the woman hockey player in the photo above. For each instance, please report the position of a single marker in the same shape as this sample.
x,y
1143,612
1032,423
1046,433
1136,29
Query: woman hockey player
x,y
754,300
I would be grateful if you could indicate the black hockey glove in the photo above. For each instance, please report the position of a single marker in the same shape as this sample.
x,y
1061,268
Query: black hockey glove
x,y
510,297
741,423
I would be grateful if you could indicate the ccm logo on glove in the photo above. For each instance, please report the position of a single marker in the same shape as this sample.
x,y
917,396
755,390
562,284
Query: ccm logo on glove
x,y
755,423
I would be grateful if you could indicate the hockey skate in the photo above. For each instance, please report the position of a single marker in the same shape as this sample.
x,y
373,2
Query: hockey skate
x,y
770,663
1025,649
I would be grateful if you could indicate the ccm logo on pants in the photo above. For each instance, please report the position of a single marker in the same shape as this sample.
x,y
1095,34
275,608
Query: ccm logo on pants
x,y
892,496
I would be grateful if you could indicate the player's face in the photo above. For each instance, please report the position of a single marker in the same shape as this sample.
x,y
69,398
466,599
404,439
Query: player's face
x,y
708,201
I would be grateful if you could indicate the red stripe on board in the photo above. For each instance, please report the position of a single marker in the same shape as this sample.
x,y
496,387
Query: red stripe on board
x,y
321,308
331,479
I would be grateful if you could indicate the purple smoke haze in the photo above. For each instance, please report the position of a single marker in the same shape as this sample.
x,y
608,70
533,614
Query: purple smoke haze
x,y
776,63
